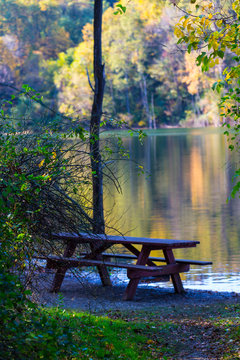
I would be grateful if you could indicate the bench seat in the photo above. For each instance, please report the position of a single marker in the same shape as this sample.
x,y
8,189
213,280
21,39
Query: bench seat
x,y
152,258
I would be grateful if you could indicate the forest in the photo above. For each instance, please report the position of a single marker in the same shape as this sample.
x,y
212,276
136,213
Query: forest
x,y
151,81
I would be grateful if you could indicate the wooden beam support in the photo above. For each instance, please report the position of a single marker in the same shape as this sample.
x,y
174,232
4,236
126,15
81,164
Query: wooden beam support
x,y
176,279
61,271
159,270
133,283
102,269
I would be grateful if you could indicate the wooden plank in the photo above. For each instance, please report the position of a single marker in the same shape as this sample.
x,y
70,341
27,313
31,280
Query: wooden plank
x,y
157,259
151,279
133,257
61,271
56,262
133,283
114,239
136,252
98,250
102,269
177,282
138,272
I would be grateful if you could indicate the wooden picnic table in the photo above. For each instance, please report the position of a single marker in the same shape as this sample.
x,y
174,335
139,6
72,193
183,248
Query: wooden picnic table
x,y
145,264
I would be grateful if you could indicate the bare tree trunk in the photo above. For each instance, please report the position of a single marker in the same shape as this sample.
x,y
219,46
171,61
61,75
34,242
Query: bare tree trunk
x,y
153,113
99,78
143,87
96,161
127,94
112,96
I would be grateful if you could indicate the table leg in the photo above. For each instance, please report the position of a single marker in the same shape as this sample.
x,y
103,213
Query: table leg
x,y
102,269
61,271
133,283
176,279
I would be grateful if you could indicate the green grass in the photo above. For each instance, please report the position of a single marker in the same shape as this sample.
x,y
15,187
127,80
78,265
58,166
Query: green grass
x,y
101,337
167,332
212,330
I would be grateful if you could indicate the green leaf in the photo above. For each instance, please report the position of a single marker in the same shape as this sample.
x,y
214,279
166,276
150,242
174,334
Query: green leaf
x,y
123,8
214,85
120,9
220,54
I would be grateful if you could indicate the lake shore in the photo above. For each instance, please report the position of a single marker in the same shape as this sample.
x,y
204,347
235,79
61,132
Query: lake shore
x,y
82,295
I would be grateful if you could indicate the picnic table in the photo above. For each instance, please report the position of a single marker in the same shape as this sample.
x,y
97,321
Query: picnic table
x,y
144,267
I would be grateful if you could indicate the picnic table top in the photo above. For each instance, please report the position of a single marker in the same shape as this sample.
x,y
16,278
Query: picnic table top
x,y
116,239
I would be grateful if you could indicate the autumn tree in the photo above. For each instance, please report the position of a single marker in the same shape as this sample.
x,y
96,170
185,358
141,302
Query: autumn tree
x,y
148,82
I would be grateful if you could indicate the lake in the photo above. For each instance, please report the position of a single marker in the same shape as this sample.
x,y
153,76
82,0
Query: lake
x,y
182,195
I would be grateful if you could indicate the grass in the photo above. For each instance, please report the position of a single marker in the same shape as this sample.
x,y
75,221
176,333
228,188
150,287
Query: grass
x,y
104,337
212,331
167,332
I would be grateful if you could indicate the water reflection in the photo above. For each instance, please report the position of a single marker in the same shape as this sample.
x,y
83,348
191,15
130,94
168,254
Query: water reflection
x,y
183,198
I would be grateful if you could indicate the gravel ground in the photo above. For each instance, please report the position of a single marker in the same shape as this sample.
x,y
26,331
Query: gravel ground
x,y
92,296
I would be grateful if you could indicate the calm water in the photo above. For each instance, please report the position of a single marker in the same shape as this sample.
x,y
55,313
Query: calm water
x,y
183,198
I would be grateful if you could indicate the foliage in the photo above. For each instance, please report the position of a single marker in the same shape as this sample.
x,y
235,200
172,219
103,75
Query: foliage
x,y
148,82
133,91
37,176
36,183
58,334
21,323
25,329
45,188
32,32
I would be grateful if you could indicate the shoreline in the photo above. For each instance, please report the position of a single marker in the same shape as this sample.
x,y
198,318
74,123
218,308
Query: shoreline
x,y
78,294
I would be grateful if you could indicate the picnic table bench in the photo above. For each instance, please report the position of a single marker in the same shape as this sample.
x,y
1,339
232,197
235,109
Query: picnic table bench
x,y
145,266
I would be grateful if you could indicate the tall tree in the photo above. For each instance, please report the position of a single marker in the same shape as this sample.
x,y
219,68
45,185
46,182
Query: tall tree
x,y
99,79
96,114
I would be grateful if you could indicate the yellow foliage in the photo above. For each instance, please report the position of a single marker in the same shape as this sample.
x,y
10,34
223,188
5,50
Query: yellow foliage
x,y
43,4
41,163
236,6
193,75
149,10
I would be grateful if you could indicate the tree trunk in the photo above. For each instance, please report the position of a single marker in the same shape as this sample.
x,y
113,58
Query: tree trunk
x,y
112,96
96,161
143,87
96,165
153,113
127,94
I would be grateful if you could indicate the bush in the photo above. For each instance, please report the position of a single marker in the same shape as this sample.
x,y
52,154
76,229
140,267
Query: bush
x,y
38,175
26,332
